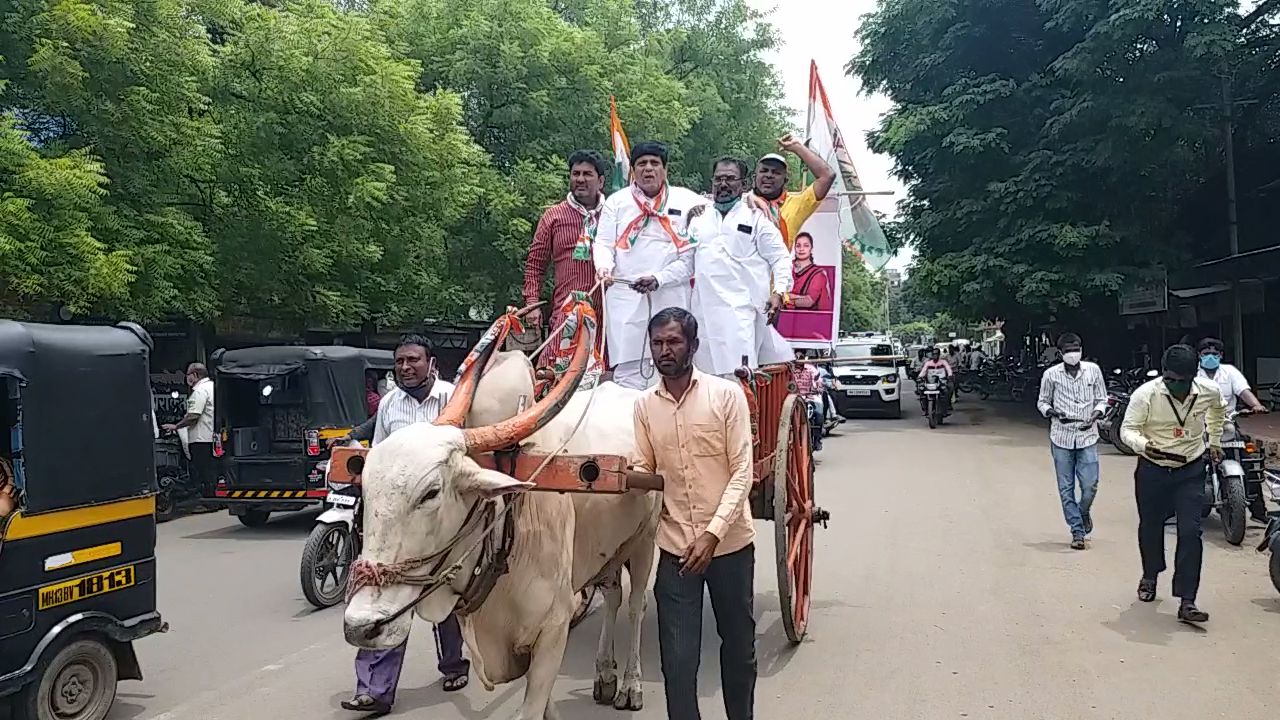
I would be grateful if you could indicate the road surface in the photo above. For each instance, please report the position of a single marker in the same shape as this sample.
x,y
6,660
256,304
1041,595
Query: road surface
x,y
945,589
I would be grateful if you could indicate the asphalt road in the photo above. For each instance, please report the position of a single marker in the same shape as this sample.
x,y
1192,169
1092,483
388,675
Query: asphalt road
x,y
945,589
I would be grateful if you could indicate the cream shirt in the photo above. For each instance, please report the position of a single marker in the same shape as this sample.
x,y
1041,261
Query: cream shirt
x,y
1155,419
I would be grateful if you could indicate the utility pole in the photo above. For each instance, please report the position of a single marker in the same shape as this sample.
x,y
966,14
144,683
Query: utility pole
x,y
1233,226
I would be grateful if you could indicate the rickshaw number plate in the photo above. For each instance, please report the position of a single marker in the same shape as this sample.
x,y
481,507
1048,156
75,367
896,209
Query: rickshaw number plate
x,y
64,593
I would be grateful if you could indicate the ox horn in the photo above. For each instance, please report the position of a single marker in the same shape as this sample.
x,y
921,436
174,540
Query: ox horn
x,y
509,432
464,392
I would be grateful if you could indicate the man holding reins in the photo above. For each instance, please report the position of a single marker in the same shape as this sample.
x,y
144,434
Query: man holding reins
x,y
643,243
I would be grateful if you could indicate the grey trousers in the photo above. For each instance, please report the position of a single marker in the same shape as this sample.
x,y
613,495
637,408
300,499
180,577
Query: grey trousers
x,y
730,582
378,671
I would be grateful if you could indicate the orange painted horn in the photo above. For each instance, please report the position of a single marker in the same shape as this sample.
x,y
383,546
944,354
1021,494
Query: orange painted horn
x,y
464,392
509,432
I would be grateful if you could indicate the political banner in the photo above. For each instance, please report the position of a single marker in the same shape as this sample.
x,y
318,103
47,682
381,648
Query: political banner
x,y
811,319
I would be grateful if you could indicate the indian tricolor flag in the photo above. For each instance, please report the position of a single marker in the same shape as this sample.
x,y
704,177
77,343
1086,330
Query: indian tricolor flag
x,y
621,149
859,229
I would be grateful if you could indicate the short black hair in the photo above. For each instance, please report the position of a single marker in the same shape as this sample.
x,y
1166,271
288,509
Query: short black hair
x,y
730,160
589,157
1068,338
685,319
1180,359
647,148
416,339
1211,343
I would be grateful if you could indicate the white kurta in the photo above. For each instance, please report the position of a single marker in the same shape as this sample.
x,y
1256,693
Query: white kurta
x,y
738,256
627,312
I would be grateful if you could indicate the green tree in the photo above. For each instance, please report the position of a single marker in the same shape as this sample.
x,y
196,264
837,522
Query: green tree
x,y
48,252
861,297
1046,145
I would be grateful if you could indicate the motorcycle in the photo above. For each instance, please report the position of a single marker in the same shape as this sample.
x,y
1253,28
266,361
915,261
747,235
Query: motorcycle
x,y
830,418
1120,386
334,543
1271,538
1235,482
933,397
174,485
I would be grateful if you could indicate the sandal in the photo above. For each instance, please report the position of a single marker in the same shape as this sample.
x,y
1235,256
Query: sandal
x,y
367,704
1147,589
456,683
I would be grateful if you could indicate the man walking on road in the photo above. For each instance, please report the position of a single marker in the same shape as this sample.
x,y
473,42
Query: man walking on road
x,y
694,429
419,396
1166,424
1073,395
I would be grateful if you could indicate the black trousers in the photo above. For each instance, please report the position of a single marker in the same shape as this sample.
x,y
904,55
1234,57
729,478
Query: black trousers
x,y
730,580
1160,490
203,468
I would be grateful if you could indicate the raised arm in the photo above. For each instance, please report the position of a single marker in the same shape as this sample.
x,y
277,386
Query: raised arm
x,y
823,176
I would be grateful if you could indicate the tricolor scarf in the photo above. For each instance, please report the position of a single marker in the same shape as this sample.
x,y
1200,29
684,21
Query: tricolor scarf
x,y
653,209
590,223
773,208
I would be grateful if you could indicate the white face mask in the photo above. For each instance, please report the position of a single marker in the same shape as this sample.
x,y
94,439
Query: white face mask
x,y
1072,358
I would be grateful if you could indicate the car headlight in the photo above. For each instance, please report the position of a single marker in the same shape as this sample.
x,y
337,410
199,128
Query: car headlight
x,y
889,380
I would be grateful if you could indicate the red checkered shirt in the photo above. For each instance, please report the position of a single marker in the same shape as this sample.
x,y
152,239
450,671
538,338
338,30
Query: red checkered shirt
x,y
553,242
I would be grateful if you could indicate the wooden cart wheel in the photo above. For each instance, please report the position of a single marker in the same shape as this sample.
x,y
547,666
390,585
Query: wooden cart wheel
x,y
794,515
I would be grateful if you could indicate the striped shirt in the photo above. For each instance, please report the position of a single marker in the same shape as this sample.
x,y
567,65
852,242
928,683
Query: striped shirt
x,y
1077,398
553,242
398,409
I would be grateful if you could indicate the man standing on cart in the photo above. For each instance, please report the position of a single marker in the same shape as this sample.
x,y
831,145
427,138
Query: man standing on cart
x,y
739,252
644,249
790,211
564,240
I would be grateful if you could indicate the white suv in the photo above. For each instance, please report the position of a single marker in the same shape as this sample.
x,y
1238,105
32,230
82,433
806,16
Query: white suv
x,y
863,385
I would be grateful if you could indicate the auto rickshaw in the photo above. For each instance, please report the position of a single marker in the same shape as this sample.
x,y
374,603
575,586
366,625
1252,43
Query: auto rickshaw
x,y
77,516
275,410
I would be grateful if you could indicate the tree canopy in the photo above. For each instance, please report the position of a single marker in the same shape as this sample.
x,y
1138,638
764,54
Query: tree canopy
x,y
1055,149
335,164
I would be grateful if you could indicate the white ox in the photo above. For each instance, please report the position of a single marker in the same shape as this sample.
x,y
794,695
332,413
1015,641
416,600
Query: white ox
x,y
418,487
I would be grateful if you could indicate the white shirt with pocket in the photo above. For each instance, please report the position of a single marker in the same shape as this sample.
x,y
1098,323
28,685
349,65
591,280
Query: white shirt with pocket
x,y
1230,381
200,402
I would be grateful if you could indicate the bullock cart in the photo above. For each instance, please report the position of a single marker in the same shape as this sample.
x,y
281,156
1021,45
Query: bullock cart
x,y
783,487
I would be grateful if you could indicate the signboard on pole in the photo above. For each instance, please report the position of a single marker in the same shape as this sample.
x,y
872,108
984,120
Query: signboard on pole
x,y
1150,296
812,319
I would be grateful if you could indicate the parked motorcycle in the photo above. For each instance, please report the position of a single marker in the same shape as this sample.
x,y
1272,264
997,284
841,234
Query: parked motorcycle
x,y
174,485
1271,538
1120,385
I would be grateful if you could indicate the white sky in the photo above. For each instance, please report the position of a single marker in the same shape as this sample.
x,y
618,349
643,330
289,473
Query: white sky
x,y
823,30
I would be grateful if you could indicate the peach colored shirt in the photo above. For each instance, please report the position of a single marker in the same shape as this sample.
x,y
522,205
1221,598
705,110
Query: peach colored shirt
x,y
701,446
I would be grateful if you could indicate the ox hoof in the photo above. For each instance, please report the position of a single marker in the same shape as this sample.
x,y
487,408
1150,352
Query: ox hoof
x,y
629,699
604,691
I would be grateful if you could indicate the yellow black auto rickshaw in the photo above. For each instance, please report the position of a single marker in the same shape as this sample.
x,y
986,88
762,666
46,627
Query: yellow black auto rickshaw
x,y
275,410
78,529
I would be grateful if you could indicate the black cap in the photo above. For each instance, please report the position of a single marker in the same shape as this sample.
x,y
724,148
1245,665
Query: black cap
x,y
649,148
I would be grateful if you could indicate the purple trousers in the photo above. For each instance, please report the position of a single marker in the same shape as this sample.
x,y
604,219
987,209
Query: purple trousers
x,y
378,671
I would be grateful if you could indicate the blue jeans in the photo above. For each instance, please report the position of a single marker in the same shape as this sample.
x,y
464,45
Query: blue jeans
x,y
1070,466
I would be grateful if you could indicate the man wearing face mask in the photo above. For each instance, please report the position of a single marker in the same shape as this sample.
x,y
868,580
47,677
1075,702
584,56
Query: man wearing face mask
x,y
1166,424
1073,395
418,397
739,252
1231,382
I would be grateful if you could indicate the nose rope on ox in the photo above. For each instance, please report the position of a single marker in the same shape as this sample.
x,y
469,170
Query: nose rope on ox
x,y
368,573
